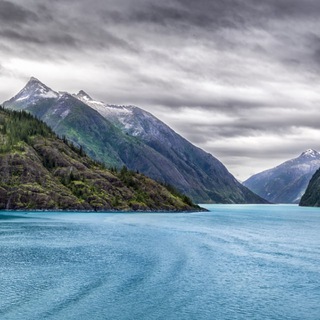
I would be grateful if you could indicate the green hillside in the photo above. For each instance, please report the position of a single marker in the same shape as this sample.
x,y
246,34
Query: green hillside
x,y
41,171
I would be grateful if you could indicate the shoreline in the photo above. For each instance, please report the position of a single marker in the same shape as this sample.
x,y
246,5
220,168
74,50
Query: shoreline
x,y
26,211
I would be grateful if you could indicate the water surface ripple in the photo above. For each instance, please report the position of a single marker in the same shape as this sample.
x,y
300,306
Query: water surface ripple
x,y
235,262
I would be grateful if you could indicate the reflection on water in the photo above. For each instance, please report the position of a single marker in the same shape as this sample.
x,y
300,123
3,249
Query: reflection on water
x,y
235,262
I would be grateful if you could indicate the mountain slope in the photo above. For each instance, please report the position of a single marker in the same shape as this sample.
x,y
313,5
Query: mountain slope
x,y
287,182
311,197
40,171
192,170
119,135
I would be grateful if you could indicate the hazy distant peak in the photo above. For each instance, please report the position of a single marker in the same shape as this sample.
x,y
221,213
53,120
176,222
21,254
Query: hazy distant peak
x,y
287,182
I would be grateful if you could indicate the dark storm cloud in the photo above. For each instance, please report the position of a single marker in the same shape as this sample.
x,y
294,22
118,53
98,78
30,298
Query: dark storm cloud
x,y
230,75
210,14
48,26
292,8
90,21
11,13
19,37
183,15
313,44
205,14
87,26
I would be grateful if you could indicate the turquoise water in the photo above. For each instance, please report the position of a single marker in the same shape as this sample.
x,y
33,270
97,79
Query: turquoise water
x,y
235,262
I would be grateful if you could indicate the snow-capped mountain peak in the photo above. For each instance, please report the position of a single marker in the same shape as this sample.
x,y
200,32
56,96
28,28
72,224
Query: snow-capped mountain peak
x,y
310,153
83,96
287,182
36,85
35,89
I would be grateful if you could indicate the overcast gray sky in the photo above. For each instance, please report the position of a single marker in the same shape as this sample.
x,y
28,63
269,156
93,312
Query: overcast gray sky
x,y
239,78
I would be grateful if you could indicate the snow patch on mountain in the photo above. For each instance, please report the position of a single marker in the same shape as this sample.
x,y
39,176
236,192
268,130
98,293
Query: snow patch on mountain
x,y
101,107
133,120
23,98
49,94
311,153
65,113
121,116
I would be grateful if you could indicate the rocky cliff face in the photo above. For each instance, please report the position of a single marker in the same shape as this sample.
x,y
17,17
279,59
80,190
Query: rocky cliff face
x,y
40,171
311,197
126,135
287,182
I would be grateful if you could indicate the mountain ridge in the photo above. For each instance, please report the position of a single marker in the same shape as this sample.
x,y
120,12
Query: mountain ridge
x,y
128,135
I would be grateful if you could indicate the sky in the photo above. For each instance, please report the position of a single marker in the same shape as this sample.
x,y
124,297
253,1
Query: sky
x,y
238,78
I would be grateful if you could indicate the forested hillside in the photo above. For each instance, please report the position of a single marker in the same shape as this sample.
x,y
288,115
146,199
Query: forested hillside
x,y
42,171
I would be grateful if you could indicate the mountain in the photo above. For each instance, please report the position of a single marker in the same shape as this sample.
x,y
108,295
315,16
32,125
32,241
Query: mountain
x,y
41,171
311,197
287,182
128,135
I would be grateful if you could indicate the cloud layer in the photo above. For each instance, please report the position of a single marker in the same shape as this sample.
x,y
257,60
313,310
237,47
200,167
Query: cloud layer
x,y
239,78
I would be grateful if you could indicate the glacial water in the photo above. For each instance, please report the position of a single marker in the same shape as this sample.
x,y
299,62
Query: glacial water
x,y
235,262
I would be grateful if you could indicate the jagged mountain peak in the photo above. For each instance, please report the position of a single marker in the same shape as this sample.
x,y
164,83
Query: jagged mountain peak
x,y
35,84
34,79
34,90
83,95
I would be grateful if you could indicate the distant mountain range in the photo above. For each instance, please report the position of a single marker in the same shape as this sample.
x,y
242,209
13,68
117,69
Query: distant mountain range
x,y
128,135
287,182
40,171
